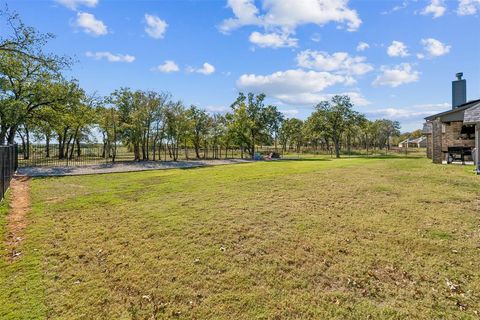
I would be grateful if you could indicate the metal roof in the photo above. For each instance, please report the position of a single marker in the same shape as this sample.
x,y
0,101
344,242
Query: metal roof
x,y
472,115
456,114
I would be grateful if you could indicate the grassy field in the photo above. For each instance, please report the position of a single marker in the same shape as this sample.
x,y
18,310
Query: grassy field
x,y
314,239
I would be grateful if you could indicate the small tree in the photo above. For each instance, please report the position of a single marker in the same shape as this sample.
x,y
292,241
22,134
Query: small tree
x,y
274,119
199,122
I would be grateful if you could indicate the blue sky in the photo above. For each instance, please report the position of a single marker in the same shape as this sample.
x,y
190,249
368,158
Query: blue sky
x,y
395,58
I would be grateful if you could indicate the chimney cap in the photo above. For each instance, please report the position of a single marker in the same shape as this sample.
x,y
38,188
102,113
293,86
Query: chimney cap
x,y
459,75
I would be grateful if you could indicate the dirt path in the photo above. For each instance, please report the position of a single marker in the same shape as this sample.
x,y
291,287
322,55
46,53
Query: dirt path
x,y
17,215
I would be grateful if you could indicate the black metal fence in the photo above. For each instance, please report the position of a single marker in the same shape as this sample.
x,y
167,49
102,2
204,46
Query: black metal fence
x,y
9,164
94,154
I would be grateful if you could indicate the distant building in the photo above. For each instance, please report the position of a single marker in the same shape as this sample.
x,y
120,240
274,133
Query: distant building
x,y
414,143
455,134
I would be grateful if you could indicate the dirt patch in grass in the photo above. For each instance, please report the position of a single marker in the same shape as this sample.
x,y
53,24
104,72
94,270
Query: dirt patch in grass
x,y
16,218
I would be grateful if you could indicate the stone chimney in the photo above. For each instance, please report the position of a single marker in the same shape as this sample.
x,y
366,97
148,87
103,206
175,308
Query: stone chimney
x,y
459,91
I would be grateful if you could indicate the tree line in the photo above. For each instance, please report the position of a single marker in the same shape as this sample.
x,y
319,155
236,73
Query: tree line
x,y
38,102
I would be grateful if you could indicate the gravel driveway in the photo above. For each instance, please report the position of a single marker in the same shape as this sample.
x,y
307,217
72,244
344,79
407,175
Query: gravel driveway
x,y
121,167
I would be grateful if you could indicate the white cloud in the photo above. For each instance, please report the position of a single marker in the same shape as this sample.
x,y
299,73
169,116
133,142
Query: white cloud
x,y
290,81
402,6
411,117
206,69
272,40
245,13
296,86
340,62
156,27
284,16
397,49
217,109
167,67
362,46
434,48
468,7
396,76
110,57
74,4
290,112
419,111
310,99
90,24
436,8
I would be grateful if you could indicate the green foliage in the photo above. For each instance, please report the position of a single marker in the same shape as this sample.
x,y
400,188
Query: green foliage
x,y
292,133
29,78
251,121
199,123
333,118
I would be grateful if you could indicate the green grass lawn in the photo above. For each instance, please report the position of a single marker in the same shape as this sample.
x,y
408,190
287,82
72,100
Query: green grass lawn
x,y
353,238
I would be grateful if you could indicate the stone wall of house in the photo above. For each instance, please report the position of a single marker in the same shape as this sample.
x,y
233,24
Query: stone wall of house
x,y
452,138
429,146
437,138
427,131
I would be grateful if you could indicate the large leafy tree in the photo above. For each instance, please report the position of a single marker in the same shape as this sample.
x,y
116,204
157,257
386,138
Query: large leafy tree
x,y
177,127
291,133
249,120
388,129
274,120
108,123
335,117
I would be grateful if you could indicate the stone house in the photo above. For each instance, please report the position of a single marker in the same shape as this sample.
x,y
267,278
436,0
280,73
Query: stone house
x,y
455,134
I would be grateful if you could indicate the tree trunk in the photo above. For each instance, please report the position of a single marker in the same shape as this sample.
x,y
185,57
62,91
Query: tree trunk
x,y
47,146
60,146
27,134
79,152
3,135
349,141
154,151
24,146
136,151
197,149
148,139
11,134
253,146
72,149
337,147
144,153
